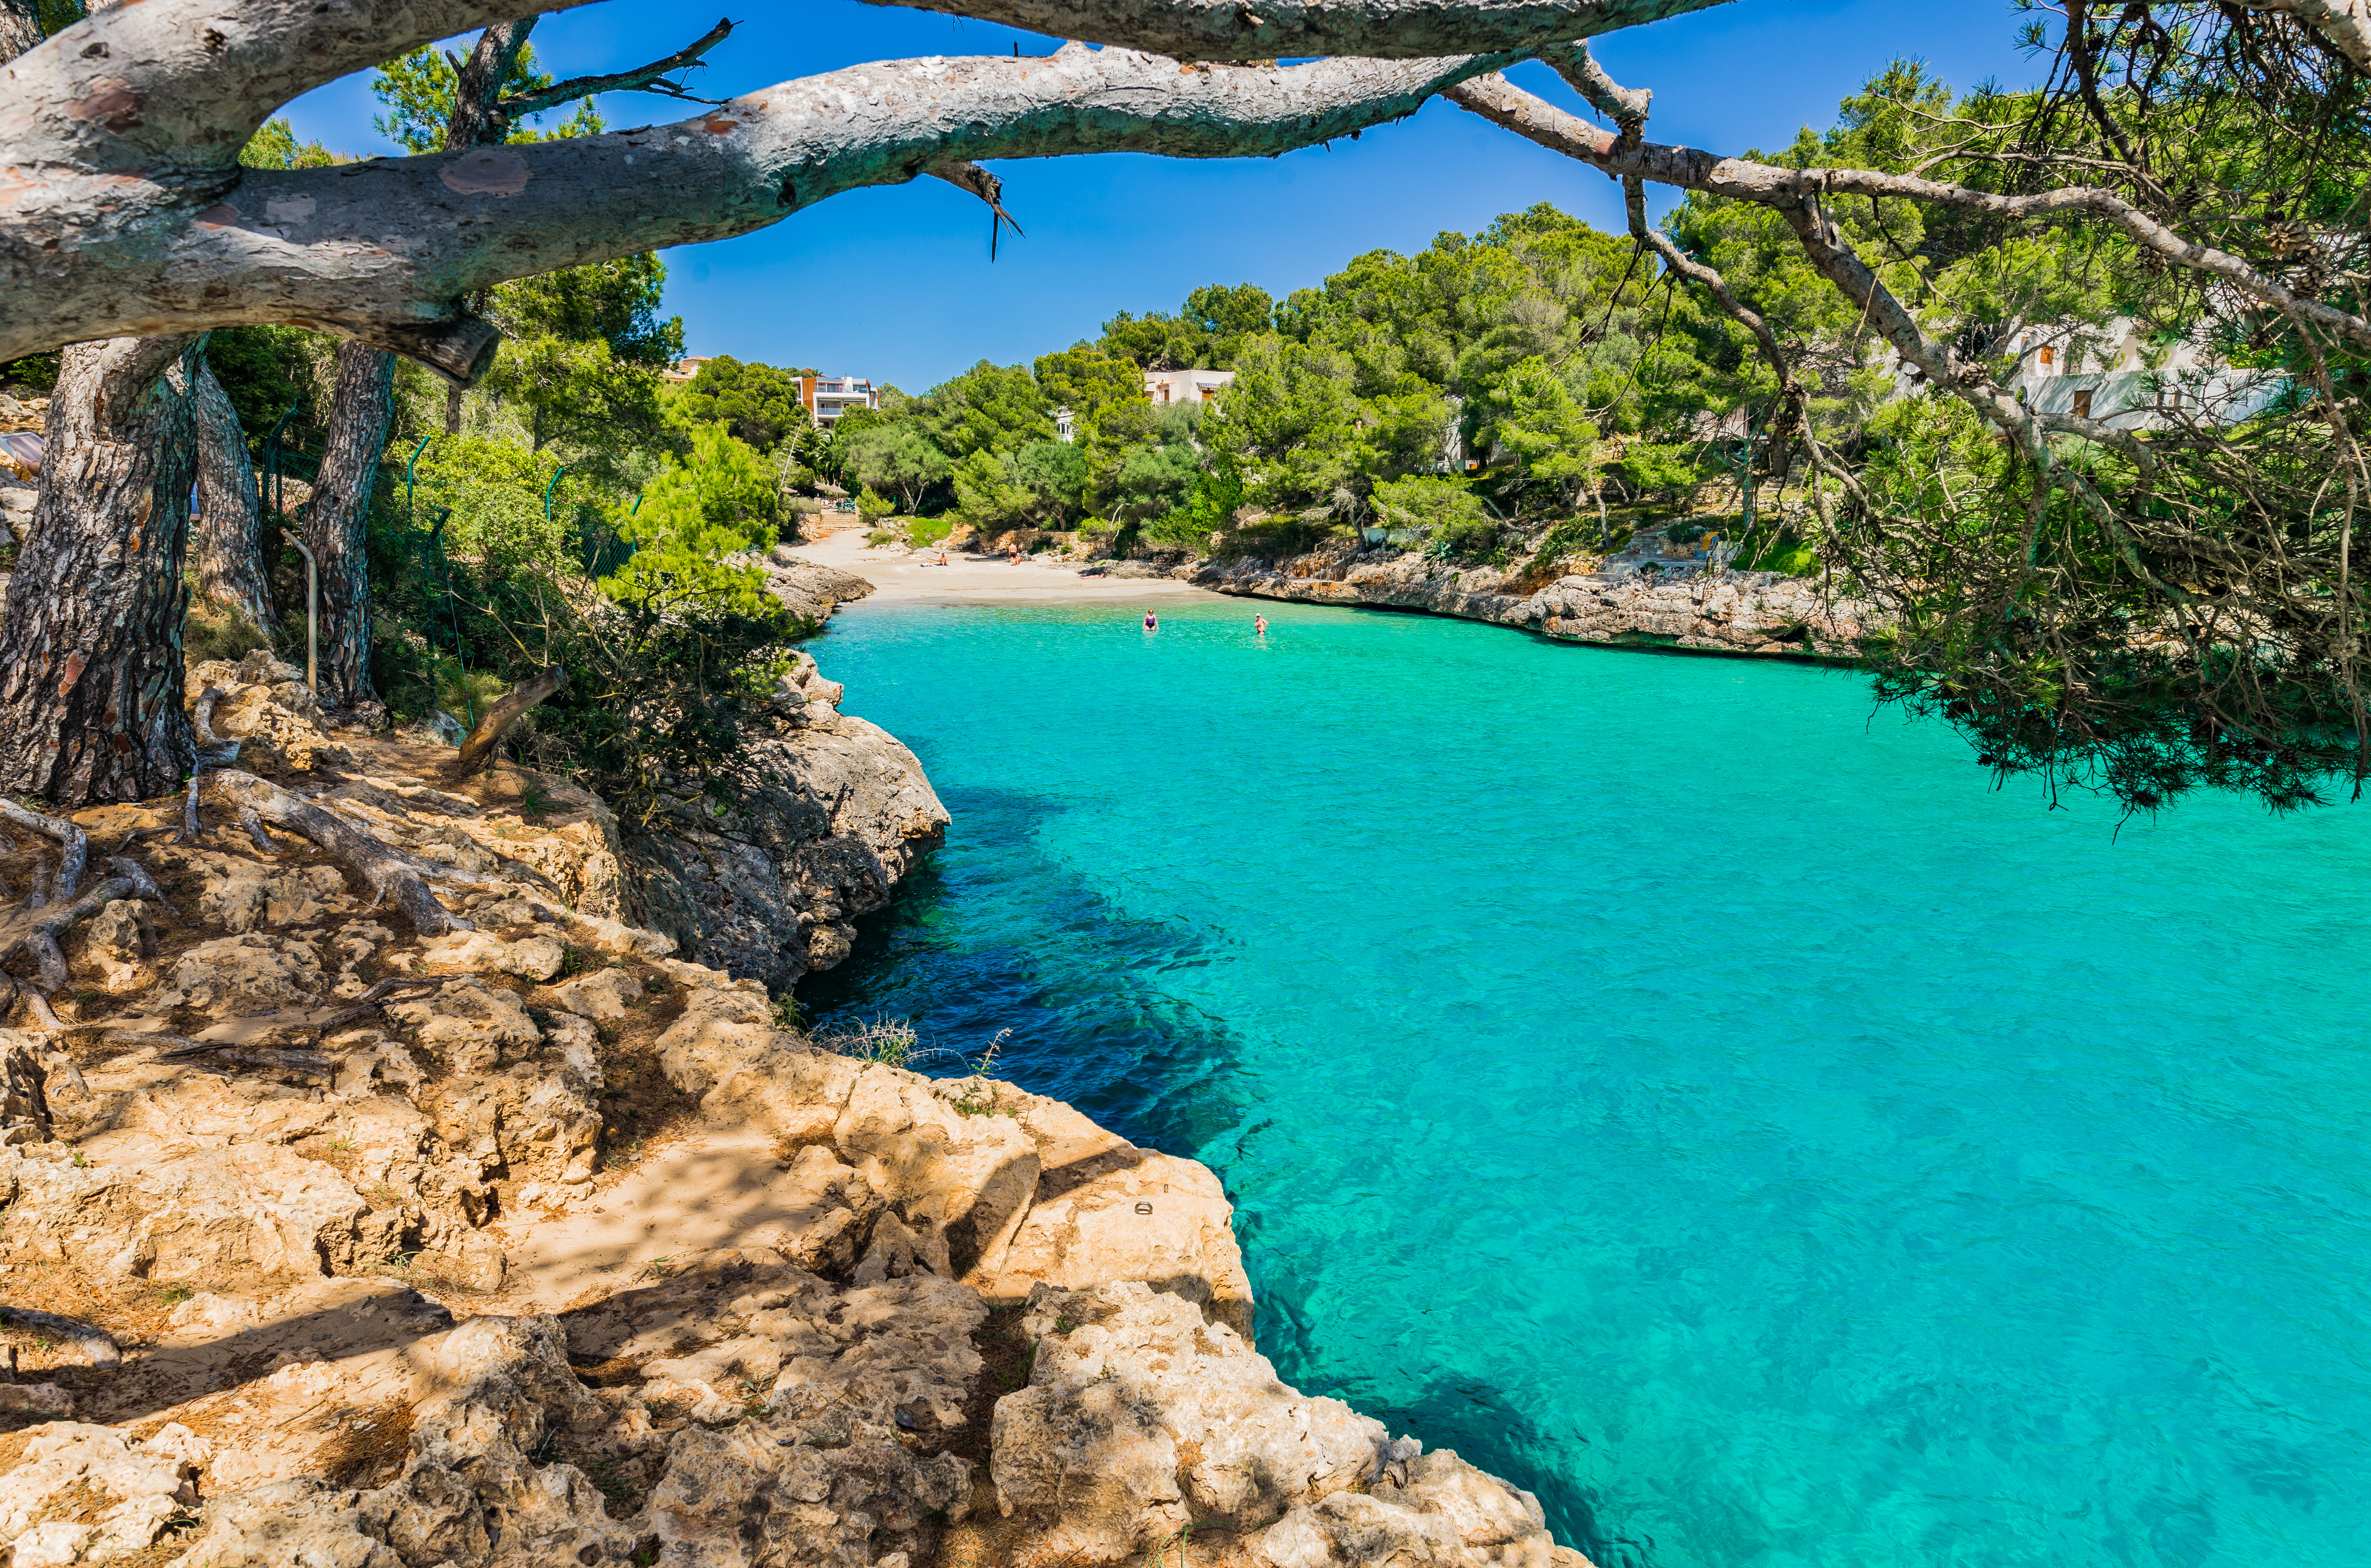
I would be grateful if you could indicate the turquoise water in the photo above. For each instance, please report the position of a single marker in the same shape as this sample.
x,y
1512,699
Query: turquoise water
x,y
1671,1087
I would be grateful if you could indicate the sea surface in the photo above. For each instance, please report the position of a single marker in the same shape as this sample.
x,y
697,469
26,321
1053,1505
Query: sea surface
x,y
1673,1085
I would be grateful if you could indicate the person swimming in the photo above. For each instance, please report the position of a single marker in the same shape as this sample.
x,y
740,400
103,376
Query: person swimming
x,y
1151,622
1259,625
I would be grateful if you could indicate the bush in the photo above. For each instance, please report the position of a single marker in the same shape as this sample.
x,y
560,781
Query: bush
x,y
1427,512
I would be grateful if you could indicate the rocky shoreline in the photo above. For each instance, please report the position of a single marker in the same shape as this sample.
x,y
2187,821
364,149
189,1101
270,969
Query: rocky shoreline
x,y
1749,614
332,1240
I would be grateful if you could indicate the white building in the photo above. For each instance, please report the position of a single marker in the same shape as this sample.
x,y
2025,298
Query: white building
x,y
1166,386
828,396
2119,377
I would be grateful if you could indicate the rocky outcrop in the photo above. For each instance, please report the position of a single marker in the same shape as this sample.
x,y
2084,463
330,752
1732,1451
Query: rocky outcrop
x,y
808,588
827,814
825,818
1761,613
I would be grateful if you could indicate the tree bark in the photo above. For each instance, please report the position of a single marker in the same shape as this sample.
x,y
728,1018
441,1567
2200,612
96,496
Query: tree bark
x,y
478,749
383,251
90,647
20,28
360,412
230,511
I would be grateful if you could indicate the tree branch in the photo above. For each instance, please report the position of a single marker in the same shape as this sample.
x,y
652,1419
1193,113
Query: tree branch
x,y
478,749
2345,25
1273,30
643,78
378,251
1502,103
168,91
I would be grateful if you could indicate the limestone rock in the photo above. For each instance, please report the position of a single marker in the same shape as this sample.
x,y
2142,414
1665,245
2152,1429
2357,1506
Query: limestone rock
x,y
242,974
809,589
151,1207
602,996
1106,1210
831,818
1433,1510
1738,612
819,1415
140,1485
270,711
116,941
468,1022
1141,1417
476,953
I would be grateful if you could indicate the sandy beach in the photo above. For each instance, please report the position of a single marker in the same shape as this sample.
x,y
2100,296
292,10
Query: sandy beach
x,y
898,575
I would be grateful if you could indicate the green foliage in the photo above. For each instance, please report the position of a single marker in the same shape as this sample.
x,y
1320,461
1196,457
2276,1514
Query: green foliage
x,y
615,303
1668,471
1427,512
1206,333
987,408
872,506
274,145
893,455
722,501
760,403
1095,387
495,491
1533,419
265,371
34,373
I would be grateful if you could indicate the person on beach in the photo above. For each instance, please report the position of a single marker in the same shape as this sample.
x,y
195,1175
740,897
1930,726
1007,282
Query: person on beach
x,y
1151,622
1259,625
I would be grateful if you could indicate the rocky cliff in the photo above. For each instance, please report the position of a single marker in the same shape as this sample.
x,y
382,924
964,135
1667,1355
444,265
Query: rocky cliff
x,y
332,1241
828,814
1740,612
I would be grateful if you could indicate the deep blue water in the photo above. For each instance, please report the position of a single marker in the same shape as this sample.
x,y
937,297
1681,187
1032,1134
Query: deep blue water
x,y
1671,1087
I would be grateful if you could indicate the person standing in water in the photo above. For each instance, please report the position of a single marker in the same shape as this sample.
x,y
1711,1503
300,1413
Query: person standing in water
x,y
1259,625
1150,622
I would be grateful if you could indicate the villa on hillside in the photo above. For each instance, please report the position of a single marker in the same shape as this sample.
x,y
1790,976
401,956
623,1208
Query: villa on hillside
x,y
683,370
1164,387
2124,380
830,396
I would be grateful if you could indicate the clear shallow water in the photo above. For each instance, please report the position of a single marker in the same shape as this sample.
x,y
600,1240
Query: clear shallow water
x,y
1672,1089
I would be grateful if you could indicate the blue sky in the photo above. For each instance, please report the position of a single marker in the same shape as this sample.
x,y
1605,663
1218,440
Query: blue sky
x,y
897,283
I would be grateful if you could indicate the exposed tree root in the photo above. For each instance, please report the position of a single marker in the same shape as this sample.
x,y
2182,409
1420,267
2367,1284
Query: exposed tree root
x,y
214,752
386,870
76,841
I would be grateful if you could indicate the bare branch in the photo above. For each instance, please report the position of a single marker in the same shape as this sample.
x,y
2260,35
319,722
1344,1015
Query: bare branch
x,y
478,749
168,91
1626,107
643,79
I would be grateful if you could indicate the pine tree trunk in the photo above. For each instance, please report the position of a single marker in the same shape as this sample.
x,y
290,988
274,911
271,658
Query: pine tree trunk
x,y
90,648
230,514
360,411
20,27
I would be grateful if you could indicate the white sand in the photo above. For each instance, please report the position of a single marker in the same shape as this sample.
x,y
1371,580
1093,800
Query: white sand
x,y
899,575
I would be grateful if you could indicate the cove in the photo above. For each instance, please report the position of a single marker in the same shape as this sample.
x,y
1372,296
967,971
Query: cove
x,y
1668,1084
